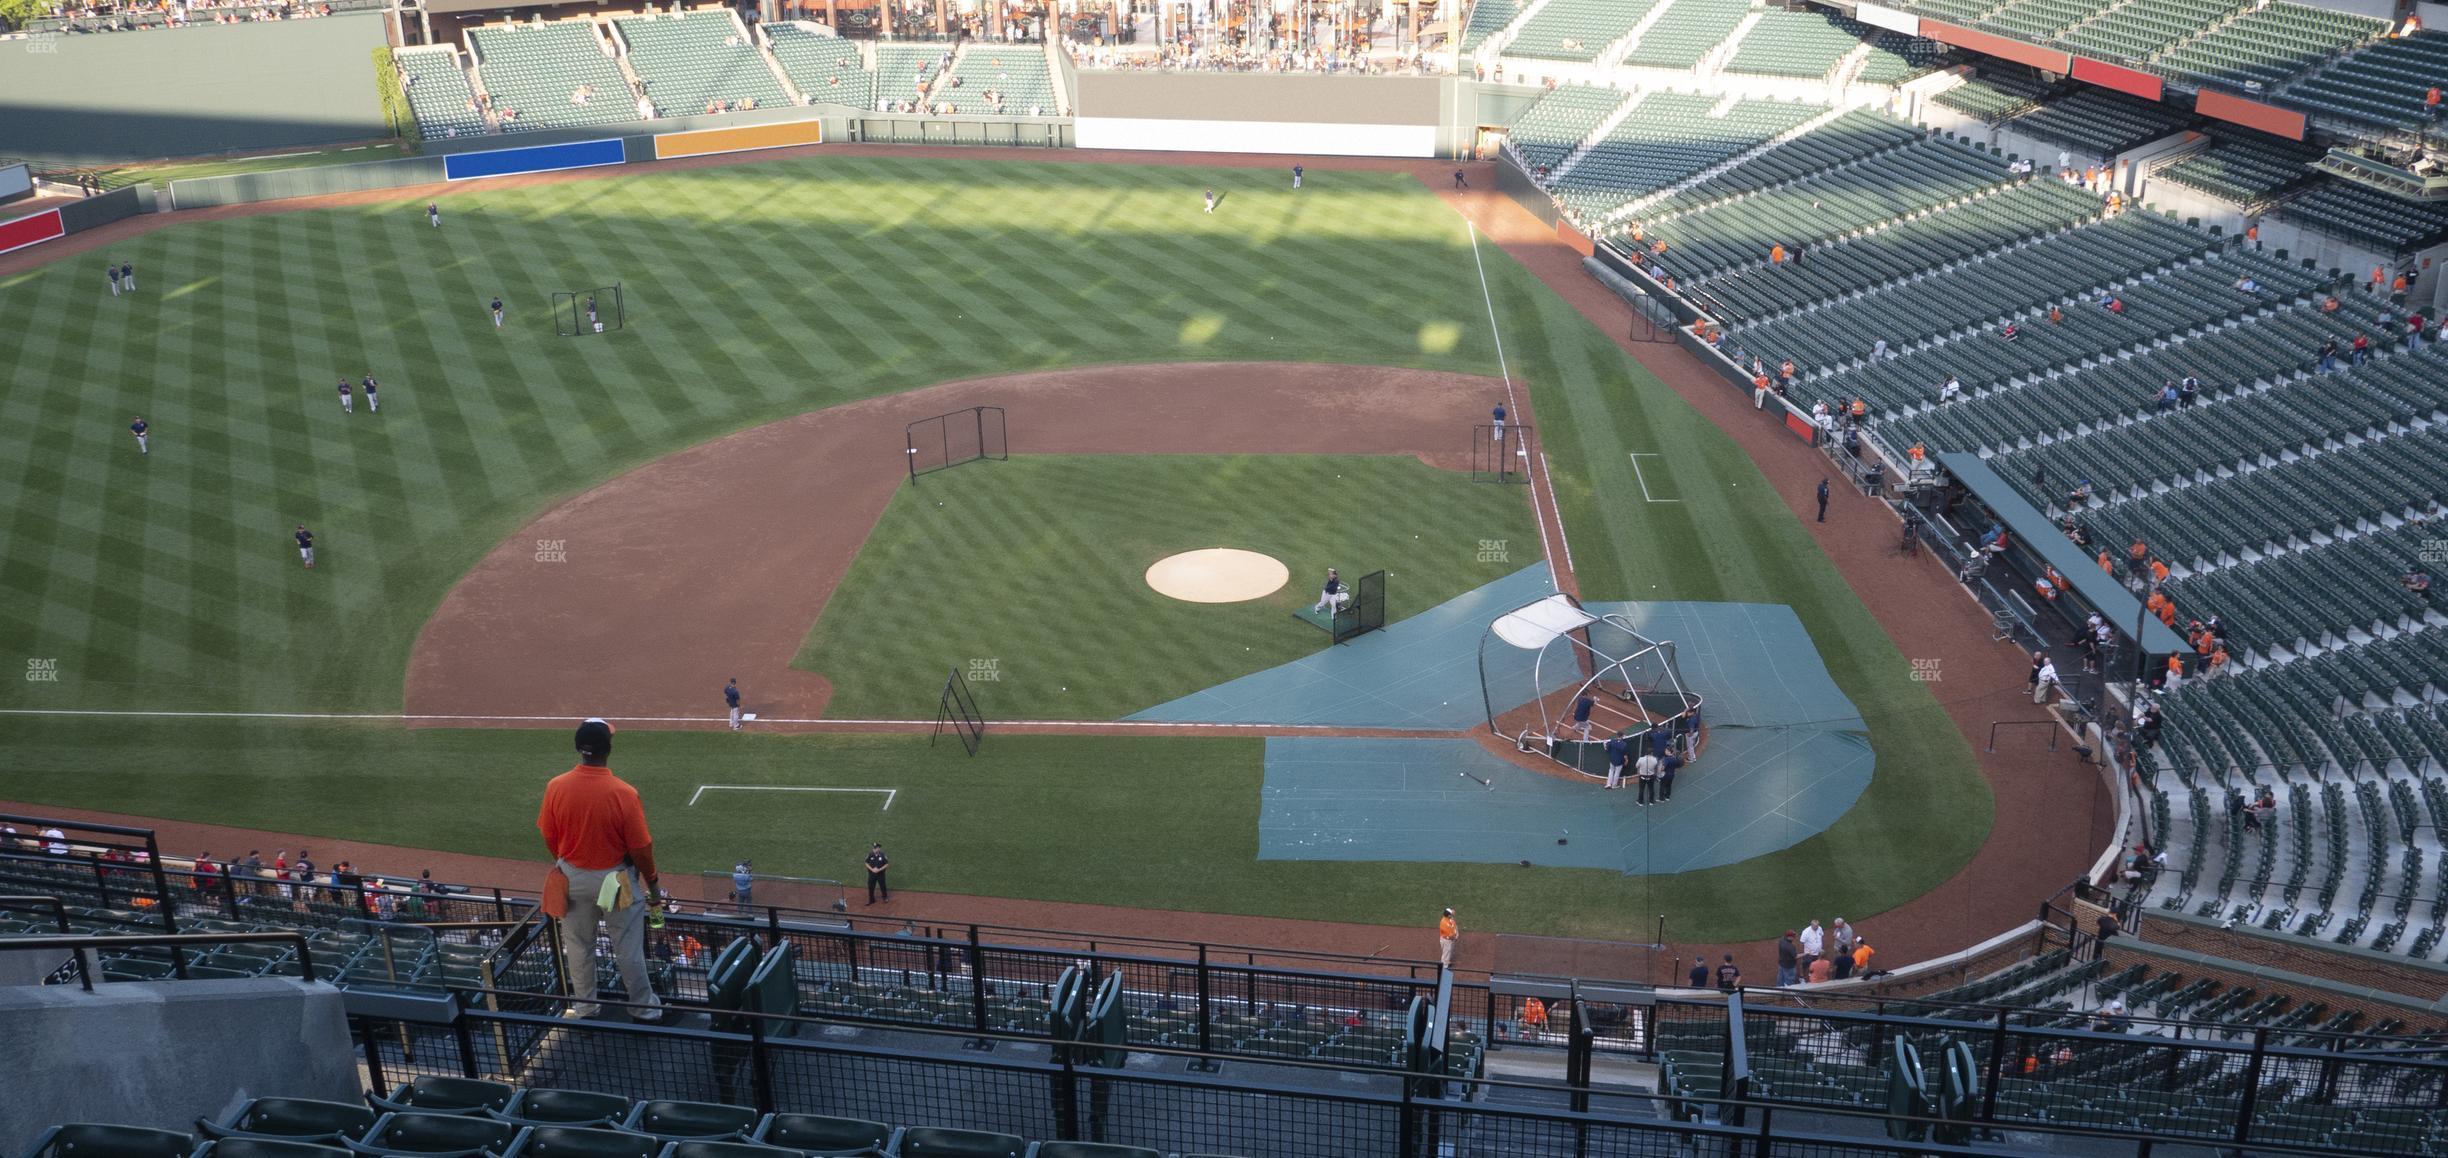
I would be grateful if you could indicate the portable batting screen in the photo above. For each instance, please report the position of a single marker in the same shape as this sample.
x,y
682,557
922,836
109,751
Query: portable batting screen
x,y
958,711
948,440
1358,610
1500,453
595,311
1537,661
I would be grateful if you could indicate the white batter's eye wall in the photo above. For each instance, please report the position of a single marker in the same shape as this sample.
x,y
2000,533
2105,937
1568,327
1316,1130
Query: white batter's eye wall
x,y
1348,116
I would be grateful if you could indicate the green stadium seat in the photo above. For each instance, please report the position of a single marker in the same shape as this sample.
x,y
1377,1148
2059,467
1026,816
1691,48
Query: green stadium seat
x,y
295,1119
436,1136
81,1140
1089,1150
242,1146
817,1134
550,1107
445,1095
581,1142
931,1142
701,1148
677,1121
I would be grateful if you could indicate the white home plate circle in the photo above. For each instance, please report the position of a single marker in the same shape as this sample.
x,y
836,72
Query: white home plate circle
x,y
1218,575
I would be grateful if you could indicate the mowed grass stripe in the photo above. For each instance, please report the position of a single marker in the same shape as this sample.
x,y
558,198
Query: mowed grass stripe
x,y
1038,564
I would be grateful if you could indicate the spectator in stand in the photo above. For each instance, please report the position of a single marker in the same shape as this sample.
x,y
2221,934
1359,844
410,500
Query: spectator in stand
x,y
2414,330
2416,580
1729,975
1951,390
205,872
1840,945
2361,351
2328,355
1822,970
1862,952
1789,958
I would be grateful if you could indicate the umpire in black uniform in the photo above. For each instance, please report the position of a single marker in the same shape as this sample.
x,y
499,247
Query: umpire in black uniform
x,y
877,862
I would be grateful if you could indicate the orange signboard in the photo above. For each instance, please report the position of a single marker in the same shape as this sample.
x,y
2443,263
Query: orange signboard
x,y
738,140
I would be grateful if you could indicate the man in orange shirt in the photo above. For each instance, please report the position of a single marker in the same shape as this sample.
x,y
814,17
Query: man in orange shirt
x,y
603,871
1447,932
1861,958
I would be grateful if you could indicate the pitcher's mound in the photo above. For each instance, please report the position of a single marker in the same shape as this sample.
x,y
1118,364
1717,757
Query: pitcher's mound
x,y
1218,575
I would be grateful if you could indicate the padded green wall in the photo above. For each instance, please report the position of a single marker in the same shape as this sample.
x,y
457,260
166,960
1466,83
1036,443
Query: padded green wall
x,y
120,96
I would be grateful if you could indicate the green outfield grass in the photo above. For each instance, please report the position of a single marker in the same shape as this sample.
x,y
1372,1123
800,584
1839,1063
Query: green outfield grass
x,y
753,293
757,292
1039,565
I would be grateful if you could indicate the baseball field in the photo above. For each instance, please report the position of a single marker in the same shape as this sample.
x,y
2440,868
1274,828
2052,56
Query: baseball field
x,y
538,527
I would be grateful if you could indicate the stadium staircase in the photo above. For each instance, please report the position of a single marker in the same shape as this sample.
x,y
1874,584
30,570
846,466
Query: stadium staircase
x,y
533,70
687,62
1020,72
440,95
821,67
1758,167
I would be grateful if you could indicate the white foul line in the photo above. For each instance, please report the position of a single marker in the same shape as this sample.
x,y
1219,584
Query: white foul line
x,y
1636,456
702,789
566,717
1513,406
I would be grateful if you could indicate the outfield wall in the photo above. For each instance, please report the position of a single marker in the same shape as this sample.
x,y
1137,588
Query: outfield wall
x,y
1355,116
210,88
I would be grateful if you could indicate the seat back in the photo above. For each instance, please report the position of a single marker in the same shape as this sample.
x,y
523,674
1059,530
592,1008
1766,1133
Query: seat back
x,y
248,1146
774,988
700,1148
1089,1150
727,981
823,1135
82,1140
416,1133
566,1108
304,1119
447,1096
930,1142
581,1142
679,1121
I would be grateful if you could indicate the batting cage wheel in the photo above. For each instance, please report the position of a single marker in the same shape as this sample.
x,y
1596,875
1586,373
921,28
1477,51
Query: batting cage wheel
x,y
595,311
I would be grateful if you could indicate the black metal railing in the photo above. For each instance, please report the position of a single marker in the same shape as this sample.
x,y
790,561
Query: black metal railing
x,y
1163,1101
177,944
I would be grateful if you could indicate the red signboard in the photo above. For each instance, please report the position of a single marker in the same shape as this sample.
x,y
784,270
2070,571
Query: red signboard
x,y
28,230
2125,80
2252,114
1801,426
2044,59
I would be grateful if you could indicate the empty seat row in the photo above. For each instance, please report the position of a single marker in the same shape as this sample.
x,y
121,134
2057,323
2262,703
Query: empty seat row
x,y
1688,31
1577,29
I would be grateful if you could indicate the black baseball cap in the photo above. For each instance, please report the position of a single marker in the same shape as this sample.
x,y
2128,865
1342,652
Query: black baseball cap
x,y
594,737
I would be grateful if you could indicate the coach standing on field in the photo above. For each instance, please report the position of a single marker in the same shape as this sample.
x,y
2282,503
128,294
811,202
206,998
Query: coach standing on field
x,y
603,870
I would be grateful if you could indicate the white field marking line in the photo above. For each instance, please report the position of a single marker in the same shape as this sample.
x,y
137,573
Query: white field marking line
x,y
1636,456
567,717
1513,405
702,789
1549,473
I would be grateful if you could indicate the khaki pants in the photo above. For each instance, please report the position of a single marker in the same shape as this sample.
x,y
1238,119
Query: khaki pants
x,y
1445,951
627,925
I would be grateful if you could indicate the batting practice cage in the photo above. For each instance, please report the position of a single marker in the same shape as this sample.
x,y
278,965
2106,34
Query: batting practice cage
x,y
588,311
948,440
1500,453
1537,661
